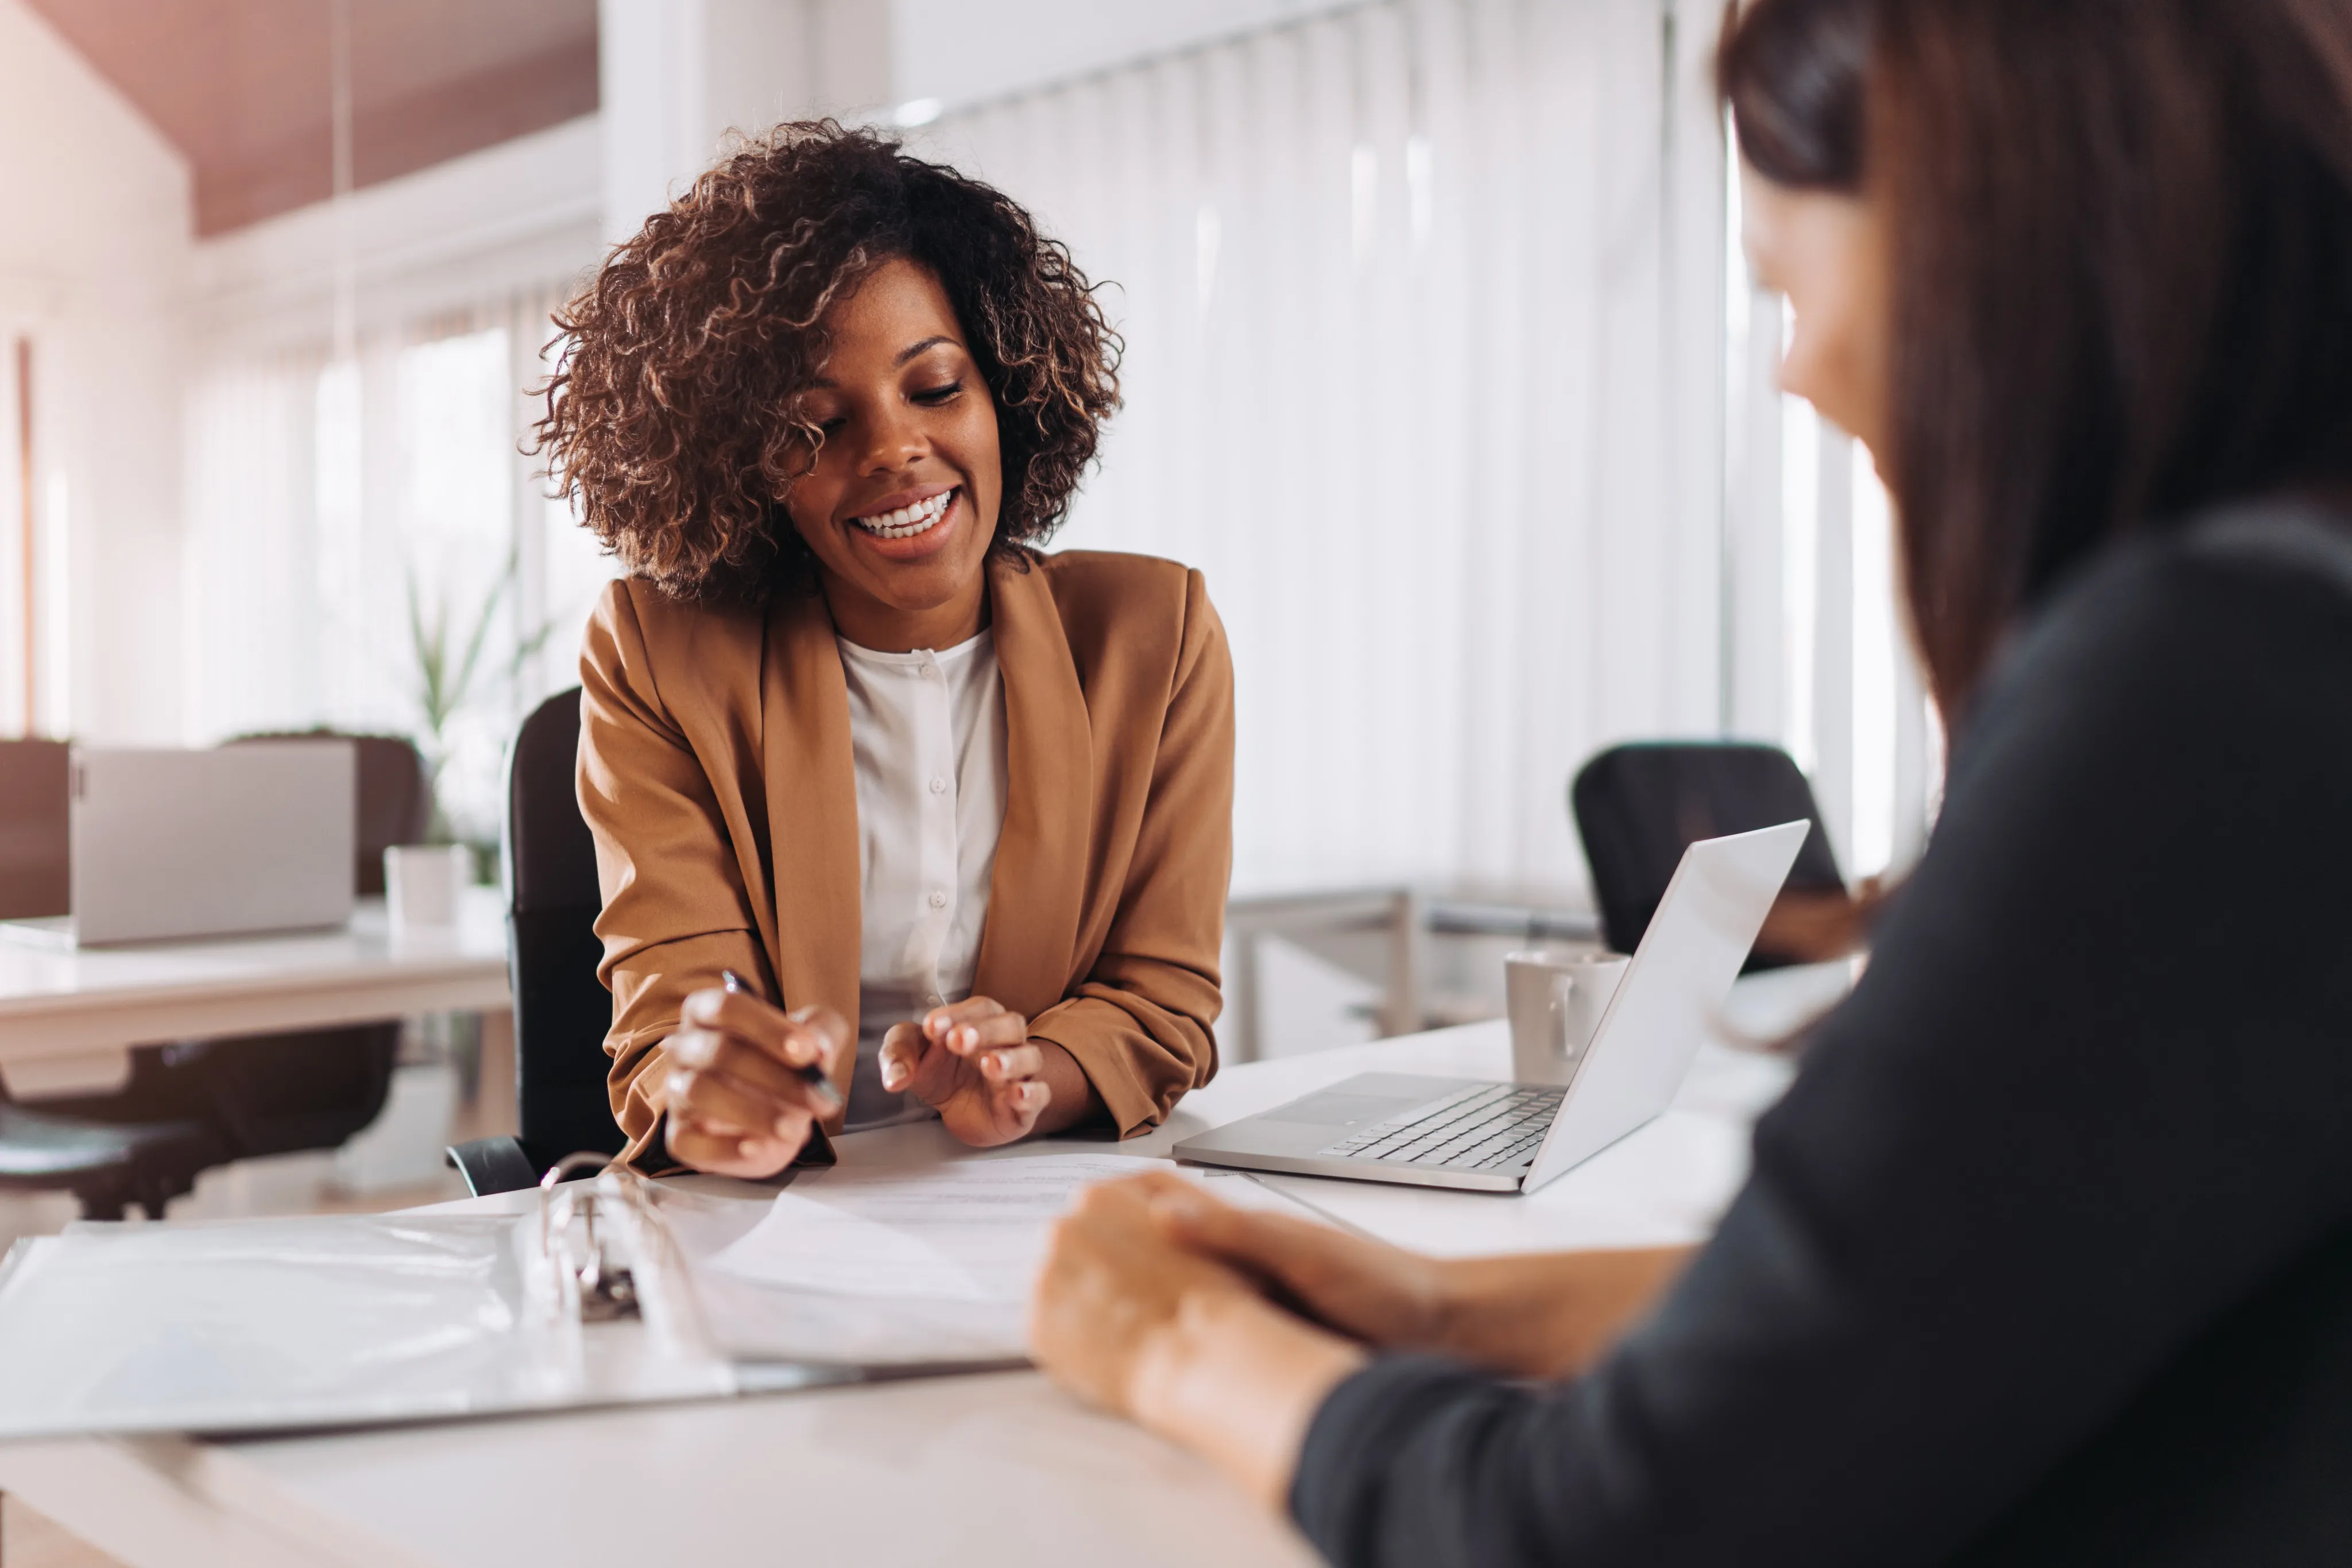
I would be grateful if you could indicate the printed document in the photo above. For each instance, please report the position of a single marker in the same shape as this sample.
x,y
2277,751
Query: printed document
x,y
882,1265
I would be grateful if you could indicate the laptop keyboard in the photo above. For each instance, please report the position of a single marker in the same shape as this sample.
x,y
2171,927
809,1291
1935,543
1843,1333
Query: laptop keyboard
x,y
1482,1128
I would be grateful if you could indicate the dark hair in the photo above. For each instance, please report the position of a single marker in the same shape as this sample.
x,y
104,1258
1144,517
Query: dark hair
x,y
2121,253
673,421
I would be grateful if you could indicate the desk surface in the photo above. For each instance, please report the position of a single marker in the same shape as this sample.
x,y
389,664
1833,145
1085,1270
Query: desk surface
x,y
976,1470
66,1017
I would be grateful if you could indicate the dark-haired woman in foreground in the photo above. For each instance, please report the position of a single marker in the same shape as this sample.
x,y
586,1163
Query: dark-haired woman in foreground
x,y
2046,1257
963,809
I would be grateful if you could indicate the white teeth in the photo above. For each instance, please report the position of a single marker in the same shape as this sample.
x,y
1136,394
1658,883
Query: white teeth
x,y
908,521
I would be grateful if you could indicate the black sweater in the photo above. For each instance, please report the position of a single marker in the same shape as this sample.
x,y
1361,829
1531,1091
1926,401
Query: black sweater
x,y
2046,1256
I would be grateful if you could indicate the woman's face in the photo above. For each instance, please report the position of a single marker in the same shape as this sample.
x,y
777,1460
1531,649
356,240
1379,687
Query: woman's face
x,y
902,502
1827,253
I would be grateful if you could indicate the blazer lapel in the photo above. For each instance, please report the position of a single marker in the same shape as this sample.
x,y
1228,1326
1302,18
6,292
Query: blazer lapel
x,y
1030,939
811,787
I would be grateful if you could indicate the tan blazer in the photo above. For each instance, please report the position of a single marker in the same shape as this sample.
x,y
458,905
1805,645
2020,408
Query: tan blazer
x,y
715,773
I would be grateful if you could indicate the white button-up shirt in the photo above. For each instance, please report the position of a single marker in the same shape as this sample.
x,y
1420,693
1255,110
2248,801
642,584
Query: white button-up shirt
x,y
927,734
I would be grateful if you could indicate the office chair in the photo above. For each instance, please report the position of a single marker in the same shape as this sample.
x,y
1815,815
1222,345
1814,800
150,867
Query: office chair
x,y
107,1167
562,1010
1638,807
35,781
193,1104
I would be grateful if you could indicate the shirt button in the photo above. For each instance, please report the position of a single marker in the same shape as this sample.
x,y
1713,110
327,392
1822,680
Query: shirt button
x,y
938,899
939,786
929,670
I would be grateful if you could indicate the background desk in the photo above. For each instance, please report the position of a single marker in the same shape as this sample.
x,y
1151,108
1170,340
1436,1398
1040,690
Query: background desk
x,y
971,1470
68,1019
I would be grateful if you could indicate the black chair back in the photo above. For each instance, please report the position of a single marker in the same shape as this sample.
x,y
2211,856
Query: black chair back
x,y
1639,807
562,1010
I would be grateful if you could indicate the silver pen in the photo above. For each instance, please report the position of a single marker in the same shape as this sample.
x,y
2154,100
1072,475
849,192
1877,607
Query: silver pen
x,y
812,1075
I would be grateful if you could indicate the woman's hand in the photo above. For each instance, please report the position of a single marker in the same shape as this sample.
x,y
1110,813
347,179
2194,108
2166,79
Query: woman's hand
x,y
1539,1315
974,1063
1126,1319
1369,1291
736,1103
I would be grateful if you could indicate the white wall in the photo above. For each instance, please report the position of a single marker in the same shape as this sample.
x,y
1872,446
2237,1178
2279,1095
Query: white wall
x,y
94,248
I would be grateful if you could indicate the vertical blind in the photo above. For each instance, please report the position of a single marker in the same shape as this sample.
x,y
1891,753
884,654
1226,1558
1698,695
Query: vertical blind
x,y
1441,364
1422,304
1442,367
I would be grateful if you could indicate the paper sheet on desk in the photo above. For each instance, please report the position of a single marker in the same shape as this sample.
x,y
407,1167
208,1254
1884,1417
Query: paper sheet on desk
x,y
906,1265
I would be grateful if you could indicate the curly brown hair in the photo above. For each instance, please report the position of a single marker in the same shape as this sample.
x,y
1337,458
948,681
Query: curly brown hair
x,y
672,420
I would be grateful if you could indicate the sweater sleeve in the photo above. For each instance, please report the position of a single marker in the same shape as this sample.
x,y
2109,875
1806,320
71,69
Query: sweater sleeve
x,y
2088,1098
1141,1023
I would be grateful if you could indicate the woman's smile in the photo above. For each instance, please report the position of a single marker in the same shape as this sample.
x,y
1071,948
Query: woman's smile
x,y
911,523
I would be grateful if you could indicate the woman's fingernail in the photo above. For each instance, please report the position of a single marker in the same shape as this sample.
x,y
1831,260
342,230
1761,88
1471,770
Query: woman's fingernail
x,y
786,1128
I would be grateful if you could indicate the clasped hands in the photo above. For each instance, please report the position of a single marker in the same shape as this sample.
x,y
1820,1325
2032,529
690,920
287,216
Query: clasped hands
x,y
1160,1303
738,1105
1224,1329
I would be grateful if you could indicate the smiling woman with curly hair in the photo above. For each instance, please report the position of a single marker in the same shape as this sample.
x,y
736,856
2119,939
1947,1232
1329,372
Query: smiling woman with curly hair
x,y
877,785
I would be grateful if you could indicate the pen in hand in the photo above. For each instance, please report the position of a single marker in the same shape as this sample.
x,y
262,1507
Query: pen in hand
x,y
812,1075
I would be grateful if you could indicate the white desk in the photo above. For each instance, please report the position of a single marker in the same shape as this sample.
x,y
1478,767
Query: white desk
x,y
68,1019
972,1470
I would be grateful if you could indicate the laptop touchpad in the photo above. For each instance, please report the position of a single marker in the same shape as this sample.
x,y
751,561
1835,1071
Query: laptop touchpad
x,y
1333,1109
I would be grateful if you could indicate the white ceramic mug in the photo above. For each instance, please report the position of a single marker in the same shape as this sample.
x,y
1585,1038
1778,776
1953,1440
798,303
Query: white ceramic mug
x,y
1555,998
421,883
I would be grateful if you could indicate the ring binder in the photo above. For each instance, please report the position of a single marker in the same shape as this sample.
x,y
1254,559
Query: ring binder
x,y
601,1291
610,1291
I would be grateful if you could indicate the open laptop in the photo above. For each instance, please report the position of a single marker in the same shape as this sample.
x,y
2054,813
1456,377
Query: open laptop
x,y
169,846
1484,1136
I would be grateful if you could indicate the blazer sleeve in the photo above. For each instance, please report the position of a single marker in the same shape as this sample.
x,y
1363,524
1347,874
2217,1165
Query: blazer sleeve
x,y
1140,1022
676,912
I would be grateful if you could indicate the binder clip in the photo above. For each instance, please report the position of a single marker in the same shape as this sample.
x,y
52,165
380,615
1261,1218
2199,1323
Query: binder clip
x,y
604,1288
